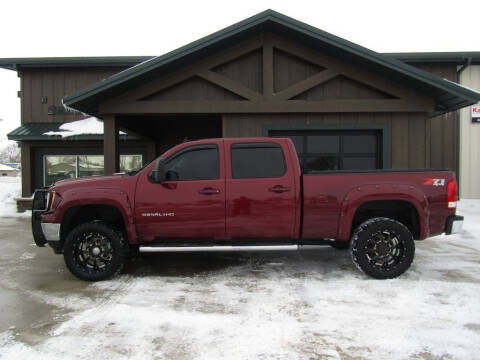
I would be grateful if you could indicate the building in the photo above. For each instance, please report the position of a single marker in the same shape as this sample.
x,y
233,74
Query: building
x,y
14,165
344,106
470,133
8,171
46,158
464,68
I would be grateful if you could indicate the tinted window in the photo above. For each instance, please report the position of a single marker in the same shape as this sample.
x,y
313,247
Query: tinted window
x,y
358,163
257,161
323,144
298,142
359,144
318,163
194,164
336,149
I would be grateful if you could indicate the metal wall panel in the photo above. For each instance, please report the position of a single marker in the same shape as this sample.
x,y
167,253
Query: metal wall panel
x,y
469,141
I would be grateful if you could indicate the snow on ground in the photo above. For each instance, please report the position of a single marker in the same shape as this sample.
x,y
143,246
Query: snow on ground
x,y
10,188
306,305
89,126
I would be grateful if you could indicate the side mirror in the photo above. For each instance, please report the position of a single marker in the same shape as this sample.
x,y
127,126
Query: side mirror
x,y
171,175
157,175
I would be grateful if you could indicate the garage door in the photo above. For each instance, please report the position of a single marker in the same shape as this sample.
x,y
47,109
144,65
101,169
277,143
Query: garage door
x,y
336,150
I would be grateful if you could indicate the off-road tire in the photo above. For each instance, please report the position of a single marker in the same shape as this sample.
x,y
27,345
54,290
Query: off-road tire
x,y
79,250
372,243
340,245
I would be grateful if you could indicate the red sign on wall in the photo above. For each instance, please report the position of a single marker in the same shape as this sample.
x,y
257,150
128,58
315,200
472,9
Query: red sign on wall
x,y
476,113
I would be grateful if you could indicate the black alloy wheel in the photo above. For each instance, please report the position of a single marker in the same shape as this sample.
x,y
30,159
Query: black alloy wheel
x,y
383,248
94,251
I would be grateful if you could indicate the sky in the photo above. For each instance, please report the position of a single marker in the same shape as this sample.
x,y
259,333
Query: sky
x,y
114,28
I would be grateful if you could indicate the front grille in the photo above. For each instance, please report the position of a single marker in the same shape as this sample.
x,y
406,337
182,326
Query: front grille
x,y
40,200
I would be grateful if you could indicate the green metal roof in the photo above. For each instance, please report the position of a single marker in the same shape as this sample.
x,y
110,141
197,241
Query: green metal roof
x,y
459,58
95,61
448,96
36,132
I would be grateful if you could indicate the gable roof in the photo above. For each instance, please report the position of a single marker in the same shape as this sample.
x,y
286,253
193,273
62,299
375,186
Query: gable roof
x,y
448,96
457,57
64,62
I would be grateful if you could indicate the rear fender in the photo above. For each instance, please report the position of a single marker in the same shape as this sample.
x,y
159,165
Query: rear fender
x,y
103,196
381,192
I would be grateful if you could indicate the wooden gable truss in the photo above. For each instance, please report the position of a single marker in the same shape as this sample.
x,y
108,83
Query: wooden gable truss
x,y
268,74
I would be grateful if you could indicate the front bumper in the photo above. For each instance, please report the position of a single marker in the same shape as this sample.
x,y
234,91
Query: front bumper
x,y
39,206
44,233
51,231
454,224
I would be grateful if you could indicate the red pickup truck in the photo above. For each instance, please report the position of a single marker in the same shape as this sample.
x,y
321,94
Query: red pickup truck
x,y
243,194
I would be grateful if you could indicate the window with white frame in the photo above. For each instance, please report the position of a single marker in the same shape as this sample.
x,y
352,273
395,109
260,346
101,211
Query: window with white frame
x,y
59,167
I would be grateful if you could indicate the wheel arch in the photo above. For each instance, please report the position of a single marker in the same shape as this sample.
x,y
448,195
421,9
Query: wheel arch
x,y
98,200
80,214
385,200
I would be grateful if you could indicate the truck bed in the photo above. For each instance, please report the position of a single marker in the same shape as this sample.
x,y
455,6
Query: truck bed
x,y
331,197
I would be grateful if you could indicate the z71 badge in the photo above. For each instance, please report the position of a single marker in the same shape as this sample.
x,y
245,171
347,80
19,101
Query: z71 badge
x,y
435,182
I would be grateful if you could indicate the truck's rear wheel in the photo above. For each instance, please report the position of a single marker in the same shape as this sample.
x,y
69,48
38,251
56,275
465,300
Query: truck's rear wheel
x,y
94,251
383,248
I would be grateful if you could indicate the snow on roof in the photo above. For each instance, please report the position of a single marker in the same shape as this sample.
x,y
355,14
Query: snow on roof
x,y
87,126
6,168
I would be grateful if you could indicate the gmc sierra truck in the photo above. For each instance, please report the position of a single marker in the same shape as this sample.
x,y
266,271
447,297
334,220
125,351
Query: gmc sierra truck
x,y
243,194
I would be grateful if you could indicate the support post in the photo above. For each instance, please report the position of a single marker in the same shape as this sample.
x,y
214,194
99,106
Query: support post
x,y
110,145
27,178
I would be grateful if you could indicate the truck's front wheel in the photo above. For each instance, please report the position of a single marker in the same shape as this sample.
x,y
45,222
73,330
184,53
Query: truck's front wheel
x,y
383,248
94,251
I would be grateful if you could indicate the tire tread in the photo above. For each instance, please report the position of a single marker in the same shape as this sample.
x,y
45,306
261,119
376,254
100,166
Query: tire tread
x,y
362,229
112,232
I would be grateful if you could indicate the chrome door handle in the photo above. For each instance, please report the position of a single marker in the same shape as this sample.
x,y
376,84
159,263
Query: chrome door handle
x,y
279,189
209,191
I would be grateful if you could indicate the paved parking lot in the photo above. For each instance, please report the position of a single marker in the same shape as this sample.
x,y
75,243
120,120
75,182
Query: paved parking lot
x,y
305,305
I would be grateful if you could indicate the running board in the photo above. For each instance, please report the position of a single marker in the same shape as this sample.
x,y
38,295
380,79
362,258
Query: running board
x,y
218,248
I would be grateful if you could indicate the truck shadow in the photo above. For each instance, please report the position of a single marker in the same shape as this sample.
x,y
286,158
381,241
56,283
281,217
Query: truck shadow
x,y
327,261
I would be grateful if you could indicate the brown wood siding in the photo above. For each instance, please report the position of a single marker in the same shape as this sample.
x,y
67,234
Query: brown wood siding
x,y
54,84
289,69
443,128
406,135
344,88
247,70
193,89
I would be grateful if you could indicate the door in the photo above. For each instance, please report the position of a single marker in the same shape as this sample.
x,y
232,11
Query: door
x,y
260,191
191,203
